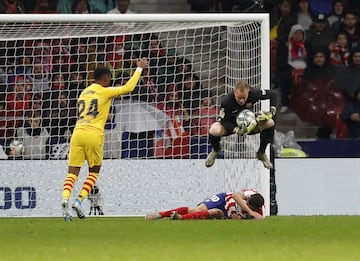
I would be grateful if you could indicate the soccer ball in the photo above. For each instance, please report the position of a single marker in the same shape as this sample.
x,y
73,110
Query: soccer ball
x,y
247,118
17,146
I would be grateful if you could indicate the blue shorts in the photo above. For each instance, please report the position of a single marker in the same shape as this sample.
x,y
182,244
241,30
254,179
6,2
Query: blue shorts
x,y
216,201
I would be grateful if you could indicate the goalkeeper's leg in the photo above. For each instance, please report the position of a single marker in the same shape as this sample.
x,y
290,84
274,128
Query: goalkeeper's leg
x,y
217,130
266,137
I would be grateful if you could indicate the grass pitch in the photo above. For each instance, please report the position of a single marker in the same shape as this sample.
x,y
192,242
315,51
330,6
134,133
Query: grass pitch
x,y
275,238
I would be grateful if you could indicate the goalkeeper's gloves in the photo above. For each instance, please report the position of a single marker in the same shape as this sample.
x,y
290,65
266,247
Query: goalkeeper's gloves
x,y
262,116
242,130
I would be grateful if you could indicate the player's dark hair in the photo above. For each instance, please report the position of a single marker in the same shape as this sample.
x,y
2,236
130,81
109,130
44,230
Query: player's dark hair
x,y
256,201
100,71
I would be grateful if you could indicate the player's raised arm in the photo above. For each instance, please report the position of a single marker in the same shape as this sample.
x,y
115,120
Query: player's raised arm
x,y
131,84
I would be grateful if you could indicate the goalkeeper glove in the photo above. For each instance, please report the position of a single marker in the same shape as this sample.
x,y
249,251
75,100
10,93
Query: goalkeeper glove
x,y
241,130
265,116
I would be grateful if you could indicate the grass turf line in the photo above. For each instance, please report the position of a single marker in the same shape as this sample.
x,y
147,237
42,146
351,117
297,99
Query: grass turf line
x,y
275,238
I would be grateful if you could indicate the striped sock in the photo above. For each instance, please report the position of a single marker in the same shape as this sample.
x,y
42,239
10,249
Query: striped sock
x,y
88,185
68,185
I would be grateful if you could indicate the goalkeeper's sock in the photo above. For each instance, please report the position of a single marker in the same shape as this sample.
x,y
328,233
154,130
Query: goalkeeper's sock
x,y
88,185
196,215
215,142
181,211
68,185
266,137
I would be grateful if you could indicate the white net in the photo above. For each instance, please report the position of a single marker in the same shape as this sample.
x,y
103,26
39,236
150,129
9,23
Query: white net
x,y
156,138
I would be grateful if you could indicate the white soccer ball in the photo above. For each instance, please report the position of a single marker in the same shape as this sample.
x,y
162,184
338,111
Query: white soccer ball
x,y
247,118
17,146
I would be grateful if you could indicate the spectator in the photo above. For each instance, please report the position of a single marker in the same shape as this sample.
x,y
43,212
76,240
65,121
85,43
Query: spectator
x,y
59,81
62,116
303,14
156,54
116,52
349,78
22,68
203,117
319,67
96,6
42,55
281,21
350,26
351,116
149,85
319,73
76,85
12,7
174,108
80,53
166,73
33,136
319,35
340,53
7,123
40,80
97,57
81,7
112,143
122,7
175,141
190,92
37,104
337,14
44,7
18,100
292,55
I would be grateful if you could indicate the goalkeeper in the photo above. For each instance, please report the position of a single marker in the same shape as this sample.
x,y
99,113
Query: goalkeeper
x,y
245,204
88,137
243,97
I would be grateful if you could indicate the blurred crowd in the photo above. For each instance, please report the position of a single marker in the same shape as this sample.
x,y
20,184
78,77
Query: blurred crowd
x,y
318,41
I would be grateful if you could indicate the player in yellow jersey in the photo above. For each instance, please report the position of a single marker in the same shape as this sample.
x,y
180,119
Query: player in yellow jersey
x,y
87,139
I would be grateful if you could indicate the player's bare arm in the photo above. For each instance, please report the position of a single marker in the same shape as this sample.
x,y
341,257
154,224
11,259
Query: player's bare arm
x,y
240,199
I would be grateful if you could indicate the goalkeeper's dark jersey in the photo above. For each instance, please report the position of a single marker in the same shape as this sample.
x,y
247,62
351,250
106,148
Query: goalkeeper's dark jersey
x,y
230,108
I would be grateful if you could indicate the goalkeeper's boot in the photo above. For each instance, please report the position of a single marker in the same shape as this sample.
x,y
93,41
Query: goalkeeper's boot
x,y
152,216
265,116
175,216
265,160
210,160
65,208
78,209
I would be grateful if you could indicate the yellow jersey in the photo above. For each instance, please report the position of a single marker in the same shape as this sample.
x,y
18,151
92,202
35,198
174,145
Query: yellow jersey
x,y
95,100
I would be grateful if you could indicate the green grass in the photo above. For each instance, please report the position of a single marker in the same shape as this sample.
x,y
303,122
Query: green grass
x,y
275,238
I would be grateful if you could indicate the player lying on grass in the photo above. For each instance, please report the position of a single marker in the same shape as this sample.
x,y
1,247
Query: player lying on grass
x,y
243,97
246,204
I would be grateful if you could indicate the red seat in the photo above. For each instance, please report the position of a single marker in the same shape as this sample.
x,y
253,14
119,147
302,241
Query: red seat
x,y
296,76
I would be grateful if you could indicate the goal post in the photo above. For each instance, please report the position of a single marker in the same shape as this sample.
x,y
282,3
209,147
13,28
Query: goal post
x,y
155,144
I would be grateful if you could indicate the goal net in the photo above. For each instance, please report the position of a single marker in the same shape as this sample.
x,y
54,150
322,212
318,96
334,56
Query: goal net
x,y
156,137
